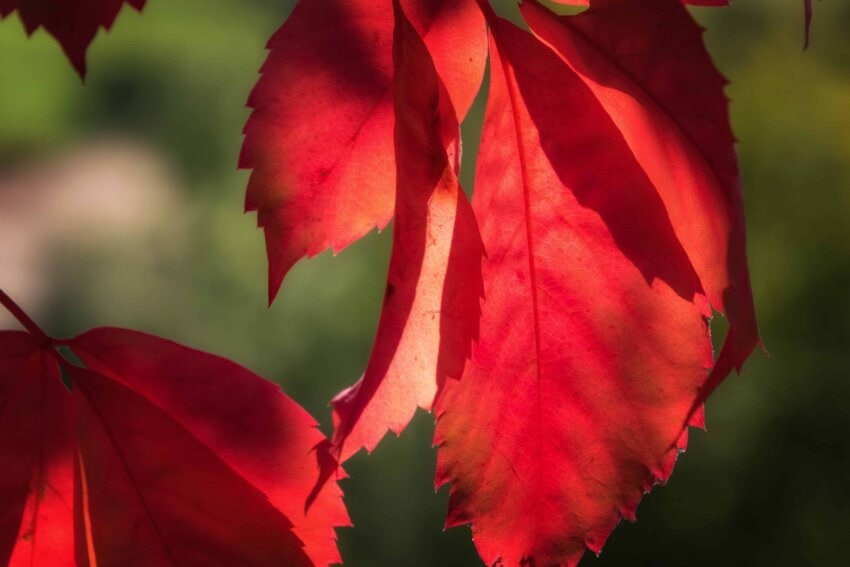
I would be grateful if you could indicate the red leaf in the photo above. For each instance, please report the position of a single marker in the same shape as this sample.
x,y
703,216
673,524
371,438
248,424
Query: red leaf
x,y
150,494
645,62
431,308
263,435
593,342
74,23
36,480
319,141
169,456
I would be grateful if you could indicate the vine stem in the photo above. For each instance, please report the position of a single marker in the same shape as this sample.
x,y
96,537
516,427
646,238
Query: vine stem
x,y
23,318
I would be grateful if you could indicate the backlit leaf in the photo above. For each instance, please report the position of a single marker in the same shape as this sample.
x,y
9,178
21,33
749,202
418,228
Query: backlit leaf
x,y
248,422
158,455
593,342
37,477
320,139
431,307
646,65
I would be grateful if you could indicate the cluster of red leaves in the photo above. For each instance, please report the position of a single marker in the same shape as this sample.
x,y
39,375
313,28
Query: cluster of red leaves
x,y
156,454
557,325
606,223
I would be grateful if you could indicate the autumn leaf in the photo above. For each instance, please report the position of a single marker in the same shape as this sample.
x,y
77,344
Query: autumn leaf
x,y
73,23
36,444
608,198
320,139
431,307
159,454
668,103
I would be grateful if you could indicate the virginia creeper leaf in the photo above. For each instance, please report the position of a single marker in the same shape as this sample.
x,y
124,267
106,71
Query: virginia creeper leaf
x,y
646,64
263,435
593,340
37,476
320,138
159,455
431,307
151,494
73,23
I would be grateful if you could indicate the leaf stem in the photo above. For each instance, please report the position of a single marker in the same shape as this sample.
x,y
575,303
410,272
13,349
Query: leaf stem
x,y
23,318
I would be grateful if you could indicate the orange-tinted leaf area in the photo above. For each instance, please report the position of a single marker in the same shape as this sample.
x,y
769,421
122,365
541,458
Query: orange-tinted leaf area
x,y
593,341
434,283
73,23
158,454
607,198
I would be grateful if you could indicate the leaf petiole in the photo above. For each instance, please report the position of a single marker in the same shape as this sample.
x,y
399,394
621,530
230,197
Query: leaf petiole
x,y
24,319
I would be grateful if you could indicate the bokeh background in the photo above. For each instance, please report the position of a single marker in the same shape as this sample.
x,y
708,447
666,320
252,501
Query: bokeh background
x,y
120,203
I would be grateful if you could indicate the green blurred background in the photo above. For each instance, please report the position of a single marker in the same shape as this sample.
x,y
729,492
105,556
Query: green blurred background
x,y
120,204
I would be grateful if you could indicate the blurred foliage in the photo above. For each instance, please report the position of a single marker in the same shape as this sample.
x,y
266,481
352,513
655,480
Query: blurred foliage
x,y
769,484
